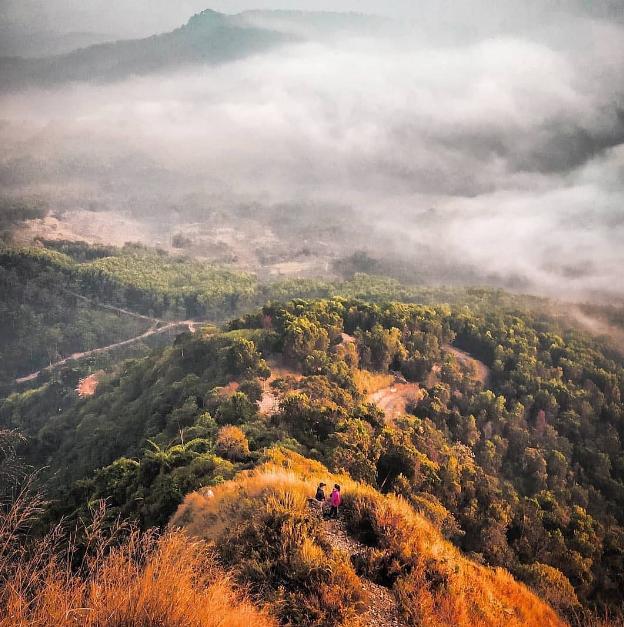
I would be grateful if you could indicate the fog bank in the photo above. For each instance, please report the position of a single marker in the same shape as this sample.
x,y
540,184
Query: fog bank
x,y
491,156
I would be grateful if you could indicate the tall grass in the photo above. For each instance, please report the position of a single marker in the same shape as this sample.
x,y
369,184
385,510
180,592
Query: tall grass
x,y
434,583
263,530
146,580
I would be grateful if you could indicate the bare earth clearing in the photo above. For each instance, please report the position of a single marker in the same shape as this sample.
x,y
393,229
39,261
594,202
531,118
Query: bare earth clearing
x,y
269,401
94,227
247,244
394,399
390,392
88,385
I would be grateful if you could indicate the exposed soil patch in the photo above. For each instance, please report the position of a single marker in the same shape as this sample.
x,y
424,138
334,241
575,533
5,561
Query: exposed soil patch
x,y
229,390
395,398
248,243
269,402
93,227
88,385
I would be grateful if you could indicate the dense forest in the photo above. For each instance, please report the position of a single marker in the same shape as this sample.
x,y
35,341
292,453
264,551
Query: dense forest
x,y
57,298
523,468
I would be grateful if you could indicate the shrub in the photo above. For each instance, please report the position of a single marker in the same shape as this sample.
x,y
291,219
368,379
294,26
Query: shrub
x,y
232,444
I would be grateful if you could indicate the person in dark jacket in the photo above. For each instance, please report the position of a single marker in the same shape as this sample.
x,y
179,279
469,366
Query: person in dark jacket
x,y
320,492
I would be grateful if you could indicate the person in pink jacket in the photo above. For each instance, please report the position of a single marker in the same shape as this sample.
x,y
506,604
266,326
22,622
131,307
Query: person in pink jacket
x,y
334,501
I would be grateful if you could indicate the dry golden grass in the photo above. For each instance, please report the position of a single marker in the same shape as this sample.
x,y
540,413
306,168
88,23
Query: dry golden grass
x,y
148,581
434,583
589,619
263,530
370,382
441,586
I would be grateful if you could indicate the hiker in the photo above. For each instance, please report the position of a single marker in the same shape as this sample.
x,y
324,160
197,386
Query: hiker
x,y
334,501
320,492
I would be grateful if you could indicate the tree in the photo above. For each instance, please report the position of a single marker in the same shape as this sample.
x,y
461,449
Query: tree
x,y
380,347
242,358
302,337
237,409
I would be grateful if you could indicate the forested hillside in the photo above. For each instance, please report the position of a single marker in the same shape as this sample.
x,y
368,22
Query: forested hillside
x,y
522,469
311,318
59,299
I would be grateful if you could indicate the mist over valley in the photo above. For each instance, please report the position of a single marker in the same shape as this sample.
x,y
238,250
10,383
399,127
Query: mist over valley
x,y
448,154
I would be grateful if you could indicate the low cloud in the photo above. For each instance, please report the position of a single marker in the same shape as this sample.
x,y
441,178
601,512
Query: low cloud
x,y
500,154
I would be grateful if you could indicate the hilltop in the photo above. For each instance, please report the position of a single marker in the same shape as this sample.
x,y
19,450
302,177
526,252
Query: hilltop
x,y
268,533
208,37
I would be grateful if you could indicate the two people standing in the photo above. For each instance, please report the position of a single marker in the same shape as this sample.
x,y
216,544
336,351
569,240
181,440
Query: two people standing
x,y
334,500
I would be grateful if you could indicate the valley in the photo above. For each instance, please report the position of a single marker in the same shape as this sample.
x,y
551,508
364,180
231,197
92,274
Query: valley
x,y
311,316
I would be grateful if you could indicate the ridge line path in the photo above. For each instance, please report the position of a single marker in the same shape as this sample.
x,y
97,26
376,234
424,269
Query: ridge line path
x,y
382,609
191,325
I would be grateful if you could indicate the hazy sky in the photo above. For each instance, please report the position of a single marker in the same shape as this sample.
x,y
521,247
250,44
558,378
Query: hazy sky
x,y
498,147
144,17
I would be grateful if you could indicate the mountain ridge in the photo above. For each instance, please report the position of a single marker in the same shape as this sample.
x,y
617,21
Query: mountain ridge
x,y
207,37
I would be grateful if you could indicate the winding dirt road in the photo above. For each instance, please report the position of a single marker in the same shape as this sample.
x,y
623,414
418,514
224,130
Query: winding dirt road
x,y
154,330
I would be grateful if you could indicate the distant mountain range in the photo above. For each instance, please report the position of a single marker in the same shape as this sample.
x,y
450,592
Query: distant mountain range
x,y
208,37
32,43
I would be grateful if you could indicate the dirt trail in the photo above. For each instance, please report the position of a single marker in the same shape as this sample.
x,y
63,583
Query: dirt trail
x,y
482,372
382,609
154,330
395,398
270,401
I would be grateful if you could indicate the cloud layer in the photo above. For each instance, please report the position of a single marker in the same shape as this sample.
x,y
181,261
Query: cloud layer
x,y
500,152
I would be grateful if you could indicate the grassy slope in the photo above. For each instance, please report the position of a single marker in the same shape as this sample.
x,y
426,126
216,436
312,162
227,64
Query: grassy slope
x,y
264,530
167,581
